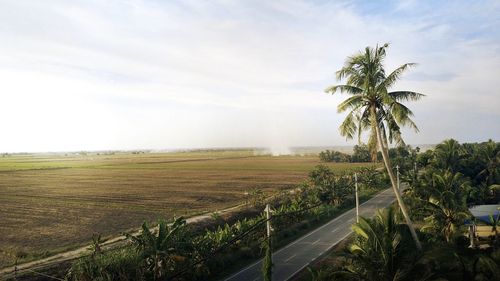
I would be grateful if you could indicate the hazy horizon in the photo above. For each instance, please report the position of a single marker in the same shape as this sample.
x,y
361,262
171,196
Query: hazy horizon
x,y
132,75
271,150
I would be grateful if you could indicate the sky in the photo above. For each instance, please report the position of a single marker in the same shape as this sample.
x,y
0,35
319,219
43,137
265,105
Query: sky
x,y
101,75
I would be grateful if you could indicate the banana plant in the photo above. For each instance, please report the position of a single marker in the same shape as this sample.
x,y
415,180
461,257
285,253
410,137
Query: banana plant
x,y
158,248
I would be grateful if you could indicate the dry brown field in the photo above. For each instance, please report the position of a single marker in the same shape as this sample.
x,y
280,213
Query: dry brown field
x,y
49,203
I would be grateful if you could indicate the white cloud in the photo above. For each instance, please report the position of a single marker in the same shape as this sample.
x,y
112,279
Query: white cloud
x,y
94,75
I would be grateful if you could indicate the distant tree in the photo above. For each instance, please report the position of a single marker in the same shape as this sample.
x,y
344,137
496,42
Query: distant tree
x,y
490,155
331,188
334,156
361,153
449,155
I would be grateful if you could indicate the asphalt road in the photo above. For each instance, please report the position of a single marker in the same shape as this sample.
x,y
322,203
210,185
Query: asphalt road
x,y
294,257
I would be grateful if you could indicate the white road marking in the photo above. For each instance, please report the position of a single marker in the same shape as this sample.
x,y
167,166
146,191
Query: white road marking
x,y
290,257
315,241
383,194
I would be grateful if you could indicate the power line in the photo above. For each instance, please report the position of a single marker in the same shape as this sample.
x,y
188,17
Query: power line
x,y
44,275
230,242
239,237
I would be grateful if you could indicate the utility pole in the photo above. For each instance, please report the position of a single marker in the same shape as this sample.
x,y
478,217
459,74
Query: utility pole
x,y
357,197
397,173
268,223
415,174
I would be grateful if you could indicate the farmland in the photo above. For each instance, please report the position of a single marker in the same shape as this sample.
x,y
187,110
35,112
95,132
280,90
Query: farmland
x,y
52,202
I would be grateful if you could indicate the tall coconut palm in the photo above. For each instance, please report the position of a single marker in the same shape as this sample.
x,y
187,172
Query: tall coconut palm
x,y
490,153
373,108
448,155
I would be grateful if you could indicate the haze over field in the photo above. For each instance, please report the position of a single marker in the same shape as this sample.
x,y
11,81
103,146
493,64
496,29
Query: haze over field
x,y
93,75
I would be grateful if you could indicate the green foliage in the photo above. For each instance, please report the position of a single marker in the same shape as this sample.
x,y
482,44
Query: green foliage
x,y
446,207
448,155
361,154
330,187
477,162
159,252
495,223
267,264
95,247
320,274
371,104
382,249
257,197
334,156
118,265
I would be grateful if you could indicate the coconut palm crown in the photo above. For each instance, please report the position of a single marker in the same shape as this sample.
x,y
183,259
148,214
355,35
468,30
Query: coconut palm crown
x,y
368,85
372,107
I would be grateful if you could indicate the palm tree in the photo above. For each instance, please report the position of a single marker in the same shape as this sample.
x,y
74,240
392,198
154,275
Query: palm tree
x,y
446,204
381,250
372,107
448,155
490,153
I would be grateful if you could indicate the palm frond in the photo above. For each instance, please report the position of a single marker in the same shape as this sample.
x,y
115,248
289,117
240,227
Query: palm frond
x,y
348,89
406,96
352,103
395,75
348,128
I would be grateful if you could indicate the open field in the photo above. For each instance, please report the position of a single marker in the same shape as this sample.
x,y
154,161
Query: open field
x,y
54,202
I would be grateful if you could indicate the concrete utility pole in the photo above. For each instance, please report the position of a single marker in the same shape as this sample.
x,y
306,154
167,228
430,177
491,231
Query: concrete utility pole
x,y
357,197
268,223
471,235
397,173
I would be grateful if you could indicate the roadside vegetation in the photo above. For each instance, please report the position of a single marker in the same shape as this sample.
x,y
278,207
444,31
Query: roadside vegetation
x,y
189,252
440,186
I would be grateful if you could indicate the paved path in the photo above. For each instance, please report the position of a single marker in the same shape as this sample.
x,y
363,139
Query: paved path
x,y
294,257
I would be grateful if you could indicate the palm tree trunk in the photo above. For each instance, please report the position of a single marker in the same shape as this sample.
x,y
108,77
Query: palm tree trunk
x,y
385,156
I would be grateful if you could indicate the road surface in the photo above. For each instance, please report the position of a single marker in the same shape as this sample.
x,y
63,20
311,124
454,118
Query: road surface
x,y
294,257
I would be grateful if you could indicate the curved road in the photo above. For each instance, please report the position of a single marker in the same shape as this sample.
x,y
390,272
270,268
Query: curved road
x,y
294,257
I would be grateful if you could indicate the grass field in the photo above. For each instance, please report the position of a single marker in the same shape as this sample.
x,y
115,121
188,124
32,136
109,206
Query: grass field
x,y
52,202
